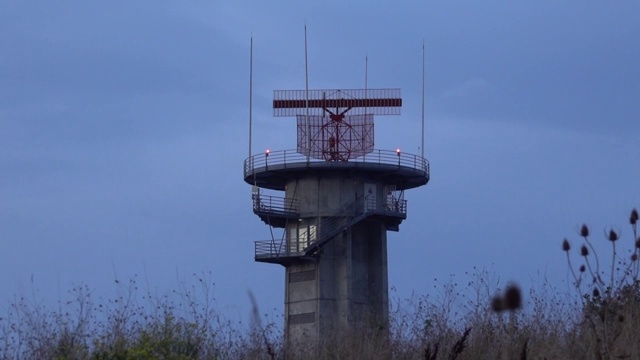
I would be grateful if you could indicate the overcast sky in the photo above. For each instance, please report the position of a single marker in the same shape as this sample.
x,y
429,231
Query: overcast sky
x,y
123,129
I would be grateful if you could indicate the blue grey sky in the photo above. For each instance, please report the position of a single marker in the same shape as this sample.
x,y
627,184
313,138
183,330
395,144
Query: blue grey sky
x,y
123,129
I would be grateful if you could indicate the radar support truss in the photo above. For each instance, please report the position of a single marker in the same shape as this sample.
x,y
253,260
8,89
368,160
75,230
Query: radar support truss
x,y
336,140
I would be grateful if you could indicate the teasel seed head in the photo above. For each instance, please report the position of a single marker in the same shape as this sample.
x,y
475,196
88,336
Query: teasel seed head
x,y
584,230
634,217
565,245
613,236
584,250
582,268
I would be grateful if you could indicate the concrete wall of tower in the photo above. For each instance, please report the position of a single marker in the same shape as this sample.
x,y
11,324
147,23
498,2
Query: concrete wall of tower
x,y
345,287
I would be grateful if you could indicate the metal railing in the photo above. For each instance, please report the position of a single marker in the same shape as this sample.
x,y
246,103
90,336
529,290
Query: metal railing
x,y
282,248
329,227
283,159
267,204
389,206
270,249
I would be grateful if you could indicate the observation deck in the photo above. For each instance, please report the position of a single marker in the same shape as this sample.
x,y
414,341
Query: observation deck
x,y
272,169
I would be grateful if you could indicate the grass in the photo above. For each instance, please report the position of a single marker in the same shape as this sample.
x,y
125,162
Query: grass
x,y
478,321
185,325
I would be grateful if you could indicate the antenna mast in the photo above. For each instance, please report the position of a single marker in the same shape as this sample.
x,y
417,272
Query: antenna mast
x,y
366,79
366,65
422,144
250,91
306,76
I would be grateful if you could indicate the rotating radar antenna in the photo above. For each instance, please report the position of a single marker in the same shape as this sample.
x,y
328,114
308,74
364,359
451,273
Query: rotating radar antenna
x,y
336,125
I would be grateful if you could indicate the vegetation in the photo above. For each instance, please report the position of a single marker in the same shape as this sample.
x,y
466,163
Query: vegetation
x,y
474,321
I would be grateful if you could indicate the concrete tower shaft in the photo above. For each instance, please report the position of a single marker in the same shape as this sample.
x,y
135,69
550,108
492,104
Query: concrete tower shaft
x,y
344,285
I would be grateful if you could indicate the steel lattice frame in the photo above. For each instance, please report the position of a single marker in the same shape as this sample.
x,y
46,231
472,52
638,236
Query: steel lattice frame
x,y
336,140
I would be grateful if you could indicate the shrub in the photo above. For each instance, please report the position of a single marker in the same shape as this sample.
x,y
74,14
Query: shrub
x,y
609,298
